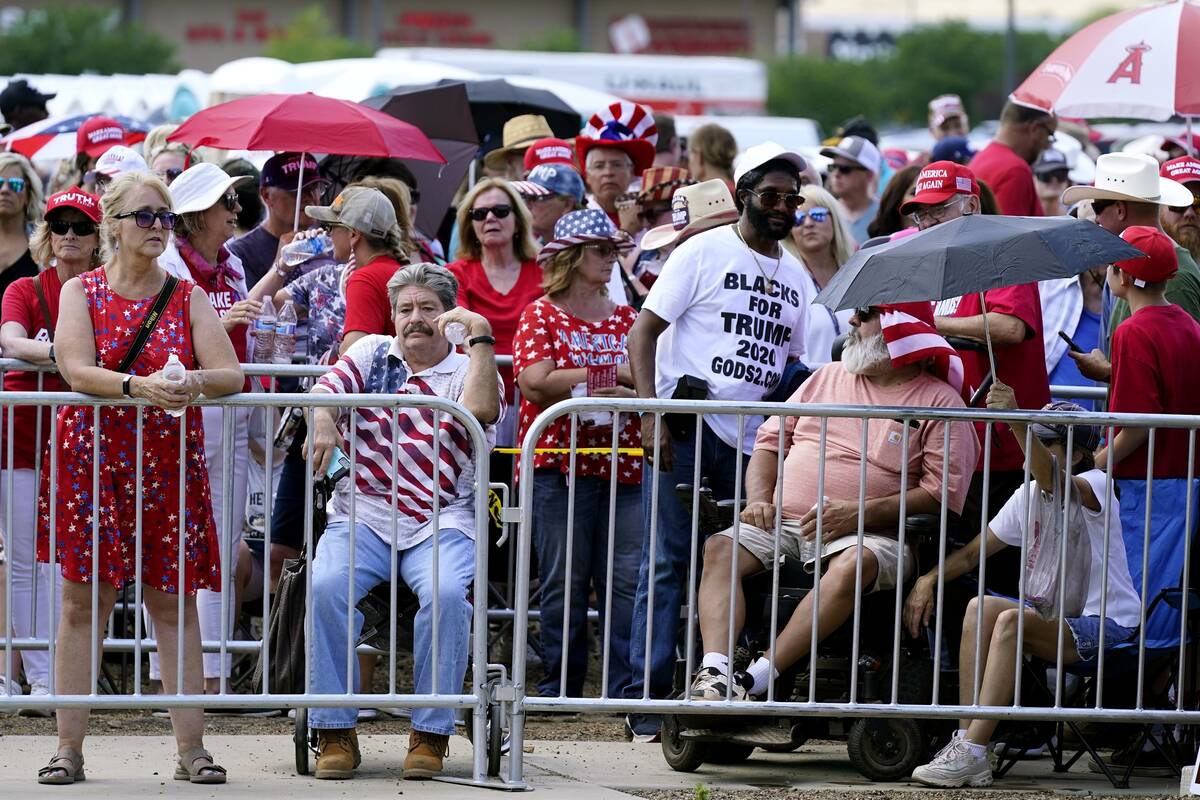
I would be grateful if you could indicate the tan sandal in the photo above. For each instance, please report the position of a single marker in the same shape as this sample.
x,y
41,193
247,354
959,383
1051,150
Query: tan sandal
x,y
188,770
64,769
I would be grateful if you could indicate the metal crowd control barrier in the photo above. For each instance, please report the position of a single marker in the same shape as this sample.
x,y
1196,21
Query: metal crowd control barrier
x,y
884,700
486,689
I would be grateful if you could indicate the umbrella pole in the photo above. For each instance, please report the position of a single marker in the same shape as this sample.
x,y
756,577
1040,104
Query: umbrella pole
x,y
299,194
987,334
1191,149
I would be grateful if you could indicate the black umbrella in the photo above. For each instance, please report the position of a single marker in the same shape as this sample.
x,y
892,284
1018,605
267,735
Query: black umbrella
x,y
443,114
495,101
974,253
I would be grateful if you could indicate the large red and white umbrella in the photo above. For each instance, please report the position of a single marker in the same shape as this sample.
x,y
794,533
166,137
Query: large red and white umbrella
x,y
1139,64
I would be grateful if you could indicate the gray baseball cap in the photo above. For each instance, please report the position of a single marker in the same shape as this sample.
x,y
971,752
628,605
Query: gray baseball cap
x,y
858,150
360,208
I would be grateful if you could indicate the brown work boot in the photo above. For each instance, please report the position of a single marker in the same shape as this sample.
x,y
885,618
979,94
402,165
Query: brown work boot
x,y
337,754
425,754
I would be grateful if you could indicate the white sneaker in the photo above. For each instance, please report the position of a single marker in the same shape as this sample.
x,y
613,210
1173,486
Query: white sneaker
x,y
9,689
367,714
712,684
37,690
955,766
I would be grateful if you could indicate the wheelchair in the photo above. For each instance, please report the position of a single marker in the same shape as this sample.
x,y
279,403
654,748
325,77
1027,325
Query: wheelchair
x,y
881,749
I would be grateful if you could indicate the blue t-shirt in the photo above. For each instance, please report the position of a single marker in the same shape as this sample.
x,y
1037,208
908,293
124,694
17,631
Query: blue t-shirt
x,y
1066,372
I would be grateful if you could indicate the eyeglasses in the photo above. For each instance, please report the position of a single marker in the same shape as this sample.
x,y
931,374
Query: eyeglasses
x,y
145,219
230,200
17,185
81,228
934,214
499,212
1195,206
817,214
846,169
606,250
770,199
653,213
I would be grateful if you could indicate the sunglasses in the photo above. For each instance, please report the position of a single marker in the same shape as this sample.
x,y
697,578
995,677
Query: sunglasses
x,y
605,250
170,174
865,314
771,198
1057,176
1195,206
846,169
499,212
230,200
17,185
145,219
817,214
81,228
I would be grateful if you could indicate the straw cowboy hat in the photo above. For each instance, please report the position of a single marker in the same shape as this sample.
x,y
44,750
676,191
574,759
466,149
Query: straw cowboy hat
x,y
519,133
1132,177
694,209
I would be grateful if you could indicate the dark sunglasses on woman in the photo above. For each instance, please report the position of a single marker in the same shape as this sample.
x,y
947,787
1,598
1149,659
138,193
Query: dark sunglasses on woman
x,y
81,228
500,212
145,219
230,200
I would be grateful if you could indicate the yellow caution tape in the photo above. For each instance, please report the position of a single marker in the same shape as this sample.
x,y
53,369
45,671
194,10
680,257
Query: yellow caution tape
x,y
583,451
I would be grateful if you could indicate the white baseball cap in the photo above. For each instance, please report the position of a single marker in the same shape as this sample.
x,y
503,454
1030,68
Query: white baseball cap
x,y
760,154
118,160
198,188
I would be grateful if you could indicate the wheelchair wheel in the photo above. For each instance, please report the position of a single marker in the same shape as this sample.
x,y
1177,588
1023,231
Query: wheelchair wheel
x,y
682,755
300,738
495,740
886,749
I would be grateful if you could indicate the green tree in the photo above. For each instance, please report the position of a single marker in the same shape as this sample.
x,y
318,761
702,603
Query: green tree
x,y
554,40
72,40
309,37
827,91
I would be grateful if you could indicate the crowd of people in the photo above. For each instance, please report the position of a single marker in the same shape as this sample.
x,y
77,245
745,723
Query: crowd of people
x,y
619,264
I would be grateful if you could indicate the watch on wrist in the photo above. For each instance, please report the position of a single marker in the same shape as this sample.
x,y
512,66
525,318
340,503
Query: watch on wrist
x,y
127,386
481,340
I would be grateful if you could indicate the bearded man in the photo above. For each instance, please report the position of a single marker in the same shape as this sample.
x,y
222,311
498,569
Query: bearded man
x,y
1182,223
893,357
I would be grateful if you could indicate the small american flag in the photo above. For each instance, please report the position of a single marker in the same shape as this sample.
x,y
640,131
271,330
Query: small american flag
x,y
911,337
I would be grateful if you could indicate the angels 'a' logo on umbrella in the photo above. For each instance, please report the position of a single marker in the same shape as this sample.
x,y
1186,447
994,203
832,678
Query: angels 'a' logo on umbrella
x,y
1130,68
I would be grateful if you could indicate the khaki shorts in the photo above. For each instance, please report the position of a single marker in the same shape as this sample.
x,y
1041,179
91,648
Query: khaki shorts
x,y
886,550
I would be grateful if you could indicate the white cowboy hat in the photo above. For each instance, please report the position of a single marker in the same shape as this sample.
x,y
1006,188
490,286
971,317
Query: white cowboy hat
x,y
1133,177
694,208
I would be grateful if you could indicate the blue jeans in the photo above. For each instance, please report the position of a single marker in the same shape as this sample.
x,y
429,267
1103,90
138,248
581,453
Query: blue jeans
x,y
718,463
589,565
372,566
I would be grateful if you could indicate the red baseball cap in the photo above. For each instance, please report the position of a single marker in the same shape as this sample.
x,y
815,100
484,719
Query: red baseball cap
x,y
77,199
549,151
97,134
1160,261
940,181
1184,169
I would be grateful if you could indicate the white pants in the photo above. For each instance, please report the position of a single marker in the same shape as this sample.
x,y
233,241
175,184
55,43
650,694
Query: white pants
x,y
229,532
32,583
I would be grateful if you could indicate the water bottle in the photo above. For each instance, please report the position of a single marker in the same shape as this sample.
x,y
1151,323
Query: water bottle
x,y
285,333
174,372
301,250
455,333
264,333
808,547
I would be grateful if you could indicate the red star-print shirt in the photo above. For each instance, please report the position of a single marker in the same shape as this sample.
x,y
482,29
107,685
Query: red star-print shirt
x,y
545,332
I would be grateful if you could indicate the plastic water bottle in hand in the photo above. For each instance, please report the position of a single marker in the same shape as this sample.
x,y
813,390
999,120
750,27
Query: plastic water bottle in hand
x,y
285,333
808,547
264,333
175,373
301,250
455,333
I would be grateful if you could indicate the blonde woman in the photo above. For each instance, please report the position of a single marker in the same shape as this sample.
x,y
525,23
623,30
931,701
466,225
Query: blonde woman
x,y
95,537
20,209
821,241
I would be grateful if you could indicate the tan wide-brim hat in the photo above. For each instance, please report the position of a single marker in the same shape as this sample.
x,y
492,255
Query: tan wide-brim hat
x,y
1132,177
519,133
694,209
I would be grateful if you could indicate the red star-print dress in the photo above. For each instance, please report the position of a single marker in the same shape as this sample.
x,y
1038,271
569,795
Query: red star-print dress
x,y
546,332
115,321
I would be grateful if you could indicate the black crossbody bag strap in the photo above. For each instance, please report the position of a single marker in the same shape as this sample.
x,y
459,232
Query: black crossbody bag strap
x,y
41,296
149,323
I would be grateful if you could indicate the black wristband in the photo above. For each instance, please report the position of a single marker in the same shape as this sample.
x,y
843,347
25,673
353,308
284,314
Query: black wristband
x,y
126,385
481,340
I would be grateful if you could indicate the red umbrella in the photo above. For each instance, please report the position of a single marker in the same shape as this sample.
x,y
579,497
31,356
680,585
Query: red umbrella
x,y
1140,64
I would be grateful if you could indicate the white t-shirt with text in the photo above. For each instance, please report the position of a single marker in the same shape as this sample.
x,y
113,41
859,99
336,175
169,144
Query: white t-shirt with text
x,y
735,319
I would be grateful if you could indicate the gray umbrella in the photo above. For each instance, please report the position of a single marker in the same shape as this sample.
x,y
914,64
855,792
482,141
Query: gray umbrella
x,y
974,253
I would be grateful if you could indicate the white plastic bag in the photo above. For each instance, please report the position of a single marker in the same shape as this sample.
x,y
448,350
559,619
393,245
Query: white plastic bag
x,y
1042,564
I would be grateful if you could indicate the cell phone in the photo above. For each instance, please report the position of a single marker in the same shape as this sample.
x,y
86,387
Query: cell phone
x,y
339,466
1070,342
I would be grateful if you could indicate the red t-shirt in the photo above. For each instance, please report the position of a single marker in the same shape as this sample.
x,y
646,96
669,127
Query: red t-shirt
x,y
476,293
21,306
1022,366
1153,372
368,309
546,332
1010,178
